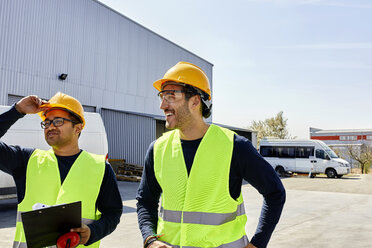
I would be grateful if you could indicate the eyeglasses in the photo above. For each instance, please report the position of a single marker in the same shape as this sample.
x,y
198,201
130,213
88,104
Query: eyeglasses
x,y
171,95
57,122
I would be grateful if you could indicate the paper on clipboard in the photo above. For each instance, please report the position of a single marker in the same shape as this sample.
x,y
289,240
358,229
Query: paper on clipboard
x,y
43,226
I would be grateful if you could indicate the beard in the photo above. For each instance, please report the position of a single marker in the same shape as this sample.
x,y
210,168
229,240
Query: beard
x,y
52,137
55,138
182,117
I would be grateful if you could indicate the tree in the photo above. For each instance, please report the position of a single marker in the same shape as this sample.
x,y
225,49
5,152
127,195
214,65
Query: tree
x,y
272,127
362,155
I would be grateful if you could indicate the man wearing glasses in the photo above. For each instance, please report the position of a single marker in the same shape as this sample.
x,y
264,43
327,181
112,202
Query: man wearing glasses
x,y
197,169
63,174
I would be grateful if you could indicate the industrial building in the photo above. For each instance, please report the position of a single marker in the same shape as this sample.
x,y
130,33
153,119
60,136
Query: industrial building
x,y
89,51
340,139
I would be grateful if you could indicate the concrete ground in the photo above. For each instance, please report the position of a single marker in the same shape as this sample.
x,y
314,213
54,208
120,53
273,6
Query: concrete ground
x,y
319,212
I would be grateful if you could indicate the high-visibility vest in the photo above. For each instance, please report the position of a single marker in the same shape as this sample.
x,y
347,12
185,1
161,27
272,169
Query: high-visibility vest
x,y
43,185
197,210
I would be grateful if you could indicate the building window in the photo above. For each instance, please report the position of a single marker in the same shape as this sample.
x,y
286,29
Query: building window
x,y
369,137
348,137
13,99
88,108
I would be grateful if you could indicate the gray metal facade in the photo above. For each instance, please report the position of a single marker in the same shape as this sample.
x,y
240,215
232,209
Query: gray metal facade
x,y
129,135
111,63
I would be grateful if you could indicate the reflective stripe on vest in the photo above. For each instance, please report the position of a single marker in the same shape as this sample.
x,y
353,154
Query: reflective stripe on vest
x,y
17,244
199,217
196,208
240,243
43,185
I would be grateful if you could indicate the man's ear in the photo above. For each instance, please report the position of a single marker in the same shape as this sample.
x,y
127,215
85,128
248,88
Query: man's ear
x,y
195,101
79,128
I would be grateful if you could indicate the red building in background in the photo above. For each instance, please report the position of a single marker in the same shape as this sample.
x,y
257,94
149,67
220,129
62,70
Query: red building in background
x,y
340,139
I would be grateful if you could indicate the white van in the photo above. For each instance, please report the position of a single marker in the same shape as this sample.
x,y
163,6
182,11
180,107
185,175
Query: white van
x,y
27,132
303,156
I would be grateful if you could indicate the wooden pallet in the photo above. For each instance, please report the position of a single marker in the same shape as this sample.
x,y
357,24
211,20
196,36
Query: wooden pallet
x,y
128,178
125,171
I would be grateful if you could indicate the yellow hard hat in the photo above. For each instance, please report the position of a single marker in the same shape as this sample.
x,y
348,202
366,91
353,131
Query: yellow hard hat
x,y
186,73
64,102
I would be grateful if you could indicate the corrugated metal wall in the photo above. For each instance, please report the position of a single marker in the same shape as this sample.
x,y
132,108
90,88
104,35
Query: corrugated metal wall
x,y
111,61
129,135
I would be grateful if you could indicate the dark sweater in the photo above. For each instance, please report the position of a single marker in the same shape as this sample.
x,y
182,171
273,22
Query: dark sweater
x,y
14,160
246,163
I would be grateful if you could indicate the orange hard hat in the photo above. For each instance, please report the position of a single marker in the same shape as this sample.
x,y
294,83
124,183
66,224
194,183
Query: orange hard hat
x,y
64,102
186,73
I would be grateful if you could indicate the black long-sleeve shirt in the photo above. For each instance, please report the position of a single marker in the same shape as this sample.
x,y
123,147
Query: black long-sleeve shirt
x,y
246,163
14,160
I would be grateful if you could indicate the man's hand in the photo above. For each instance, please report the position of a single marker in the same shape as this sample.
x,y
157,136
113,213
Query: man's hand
x,y
158,244
250,246
30,105
84,232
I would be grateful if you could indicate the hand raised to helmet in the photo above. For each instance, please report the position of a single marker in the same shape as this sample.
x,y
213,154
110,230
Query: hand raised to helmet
x,y
30,105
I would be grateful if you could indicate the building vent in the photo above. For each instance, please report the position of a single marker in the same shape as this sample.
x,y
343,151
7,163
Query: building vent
x,y
13,99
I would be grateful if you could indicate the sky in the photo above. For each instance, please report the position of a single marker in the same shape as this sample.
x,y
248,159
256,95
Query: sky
x,y
311,59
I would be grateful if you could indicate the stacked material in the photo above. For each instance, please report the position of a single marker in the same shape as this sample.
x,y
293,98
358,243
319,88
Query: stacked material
x,y
125,171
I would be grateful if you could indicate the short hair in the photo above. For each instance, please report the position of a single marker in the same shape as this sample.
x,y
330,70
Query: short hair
x,y
76,120
191,91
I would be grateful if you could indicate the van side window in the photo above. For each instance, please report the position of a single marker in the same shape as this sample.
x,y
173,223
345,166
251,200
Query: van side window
x,y
320,154
304,151
286,152
266,151
278,151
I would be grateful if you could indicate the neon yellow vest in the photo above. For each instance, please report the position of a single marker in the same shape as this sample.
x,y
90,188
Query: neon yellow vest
x,y
198,210
43,185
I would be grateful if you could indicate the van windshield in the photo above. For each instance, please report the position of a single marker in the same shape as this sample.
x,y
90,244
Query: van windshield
x,y
331,153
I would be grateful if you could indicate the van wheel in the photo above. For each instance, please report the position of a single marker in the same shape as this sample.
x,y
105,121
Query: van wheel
x,y
331,173
280,171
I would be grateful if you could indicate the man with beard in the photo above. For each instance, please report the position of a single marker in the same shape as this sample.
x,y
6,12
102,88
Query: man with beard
x,y
198,170
63,174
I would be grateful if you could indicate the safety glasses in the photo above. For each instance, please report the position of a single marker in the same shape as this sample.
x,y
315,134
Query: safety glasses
x,y
57,122
170,95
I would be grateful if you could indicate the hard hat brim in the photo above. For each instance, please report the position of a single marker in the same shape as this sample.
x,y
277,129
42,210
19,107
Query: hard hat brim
x,y
51,106
159,83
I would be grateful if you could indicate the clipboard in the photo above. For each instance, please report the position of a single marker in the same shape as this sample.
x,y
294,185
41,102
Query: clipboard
x,y
44,226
